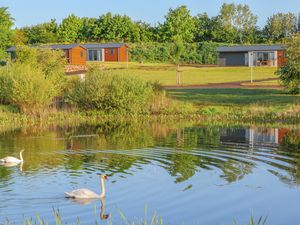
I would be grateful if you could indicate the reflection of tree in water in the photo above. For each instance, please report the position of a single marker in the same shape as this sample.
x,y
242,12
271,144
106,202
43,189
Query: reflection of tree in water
x,y
290,146
115,147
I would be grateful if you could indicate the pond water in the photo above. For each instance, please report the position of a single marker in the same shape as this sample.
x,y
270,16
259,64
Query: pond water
x,y
189,174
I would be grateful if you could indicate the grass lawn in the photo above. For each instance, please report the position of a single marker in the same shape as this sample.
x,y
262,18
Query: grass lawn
x,y
235,97
192,75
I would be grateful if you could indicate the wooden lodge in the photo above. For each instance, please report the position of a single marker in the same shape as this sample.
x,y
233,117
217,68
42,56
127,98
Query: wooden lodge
x,y
78,54
252,55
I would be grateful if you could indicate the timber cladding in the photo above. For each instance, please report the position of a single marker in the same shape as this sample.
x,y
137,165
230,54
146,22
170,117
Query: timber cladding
x,y
116,54
78,55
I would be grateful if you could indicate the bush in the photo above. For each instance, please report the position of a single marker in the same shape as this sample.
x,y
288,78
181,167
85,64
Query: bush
x,y
289,75
112,93
193,53
33,80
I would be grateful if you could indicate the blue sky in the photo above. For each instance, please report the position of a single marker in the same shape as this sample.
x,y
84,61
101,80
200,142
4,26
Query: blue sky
x,y
30,12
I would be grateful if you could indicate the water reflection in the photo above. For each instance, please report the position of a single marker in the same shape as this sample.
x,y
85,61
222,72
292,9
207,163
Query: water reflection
x,y
195,159
182,152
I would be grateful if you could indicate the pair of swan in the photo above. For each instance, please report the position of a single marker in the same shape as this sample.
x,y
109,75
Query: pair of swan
x,y
76,194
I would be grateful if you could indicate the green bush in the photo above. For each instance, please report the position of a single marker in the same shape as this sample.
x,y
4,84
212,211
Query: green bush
x,y
193,53
289,74
112,93
33,80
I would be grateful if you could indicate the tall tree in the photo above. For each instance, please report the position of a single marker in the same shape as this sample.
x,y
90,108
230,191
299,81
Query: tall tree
x,y
42,33
280,25
180,24
6,23
204,28
239,21
69,29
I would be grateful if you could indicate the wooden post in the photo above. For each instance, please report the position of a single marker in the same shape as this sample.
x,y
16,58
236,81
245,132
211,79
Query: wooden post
x,y
178,75
251,66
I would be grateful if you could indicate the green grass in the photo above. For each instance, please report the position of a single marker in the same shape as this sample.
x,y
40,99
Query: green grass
x,y
235,97
192,75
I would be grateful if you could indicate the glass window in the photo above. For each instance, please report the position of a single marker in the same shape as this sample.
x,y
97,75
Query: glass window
x,y
111,51
90,55
95,58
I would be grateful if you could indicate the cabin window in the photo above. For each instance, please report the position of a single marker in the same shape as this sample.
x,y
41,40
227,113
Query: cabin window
x,y
111,51
81,54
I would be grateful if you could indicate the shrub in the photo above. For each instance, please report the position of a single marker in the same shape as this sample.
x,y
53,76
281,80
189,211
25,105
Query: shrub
x,y
33,80
28,88
289,75
112,92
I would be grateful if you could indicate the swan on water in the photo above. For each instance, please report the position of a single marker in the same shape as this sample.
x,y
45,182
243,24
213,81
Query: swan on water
x,y
86,193
10,159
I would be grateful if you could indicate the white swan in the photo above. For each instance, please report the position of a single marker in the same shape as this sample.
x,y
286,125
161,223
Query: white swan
x,y
10,159
86,193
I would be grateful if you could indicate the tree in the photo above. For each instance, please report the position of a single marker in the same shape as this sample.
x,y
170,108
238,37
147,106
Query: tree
x,y
69,29
6,23
204,27
19,37
115,28
180,24
239,21
41,33
280,25
290,74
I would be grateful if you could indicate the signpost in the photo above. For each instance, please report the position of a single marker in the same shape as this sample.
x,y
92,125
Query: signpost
x,y
251,66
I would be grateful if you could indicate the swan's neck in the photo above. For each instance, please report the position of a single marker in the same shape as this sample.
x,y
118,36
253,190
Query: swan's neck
x,y
103,188
21,157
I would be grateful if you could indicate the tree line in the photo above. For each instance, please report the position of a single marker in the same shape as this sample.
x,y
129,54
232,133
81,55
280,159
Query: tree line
x,y
234,24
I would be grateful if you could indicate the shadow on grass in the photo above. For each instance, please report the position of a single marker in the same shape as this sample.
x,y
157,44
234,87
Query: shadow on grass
x,y
234,96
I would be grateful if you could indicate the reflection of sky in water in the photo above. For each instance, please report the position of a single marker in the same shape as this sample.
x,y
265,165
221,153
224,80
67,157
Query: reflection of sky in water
x,y
195,175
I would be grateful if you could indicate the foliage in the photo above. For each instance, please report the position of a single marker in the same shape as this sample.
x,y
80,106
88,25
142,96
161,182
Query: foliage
x,y
235,24
280,25
33,80
41,33
289,74
191,53
69,29
179,24
6,22
112,92
239,21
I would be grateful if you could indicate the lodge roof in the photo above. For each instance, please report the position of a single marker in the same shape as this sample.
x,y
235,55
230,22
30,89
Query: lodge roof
x,y
104,45
250,48
56,46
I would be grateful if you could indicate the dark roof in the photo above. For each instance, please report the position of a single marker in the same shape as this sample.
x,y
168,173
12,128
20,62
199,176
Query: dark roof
x,y
250,48
106,45
63,46
57,46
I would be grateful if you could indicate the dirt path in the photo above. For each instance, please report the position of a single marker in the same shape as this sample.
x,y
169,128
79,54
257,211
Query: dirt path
x,y
239,84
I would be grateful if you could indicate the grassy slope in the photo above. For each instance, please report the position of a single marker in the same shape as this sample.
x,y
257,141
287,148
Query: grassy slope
x,y
235,97
166,73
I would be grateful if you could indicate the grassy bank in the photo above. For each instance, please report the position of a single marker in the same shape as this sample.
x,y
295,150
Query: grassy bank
x,y
152,220
192,75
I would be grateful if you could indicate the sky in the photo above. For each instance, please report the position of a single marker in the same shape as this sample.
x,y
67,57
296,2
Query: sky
x,y
31,12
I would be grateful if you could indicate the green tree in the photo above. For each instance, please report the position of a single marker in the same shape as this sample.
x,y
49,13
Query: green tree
x,y
41,33
290,74
204,27
88,30
180,24
280,25
69,29
238,20
6,23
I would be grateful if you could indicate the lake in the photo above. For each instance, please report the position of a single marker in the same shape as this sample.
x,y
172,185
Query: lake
x,y
186,174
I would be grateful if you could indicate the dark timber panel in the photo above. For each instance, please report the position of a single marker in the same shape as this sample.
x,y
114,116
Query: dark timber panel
x,y
233,58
